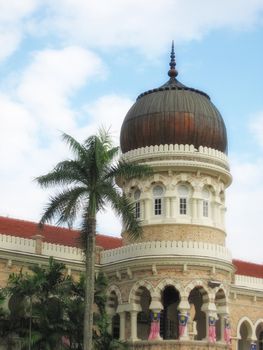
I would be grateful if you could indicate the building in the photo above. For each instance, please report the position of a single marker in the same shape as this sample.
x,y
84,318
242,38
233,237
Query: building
x,y
178,286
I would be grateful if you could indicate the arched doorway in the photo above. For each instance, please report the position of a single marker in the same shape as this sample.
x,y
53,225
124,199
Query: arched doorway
x,y
169,315
197,298
112,304
259,334
245,332
143,318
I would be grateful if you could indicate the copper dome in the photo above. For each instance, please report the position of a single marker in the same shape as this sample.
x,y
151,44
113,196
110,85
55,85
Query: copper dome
x,y
173,114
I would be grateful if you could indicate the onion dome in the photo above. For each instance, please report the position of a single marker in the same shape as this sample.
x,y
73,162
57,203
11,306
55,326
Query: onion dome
x,y
173,114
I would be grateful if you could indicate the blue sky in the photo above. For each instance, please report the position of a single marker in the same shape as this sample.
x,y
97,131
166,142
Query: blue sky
x,y
74,65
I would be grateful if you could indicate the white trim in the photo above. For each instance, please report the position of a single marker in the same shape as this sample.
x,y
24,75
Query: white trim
x,y
165,248
249,282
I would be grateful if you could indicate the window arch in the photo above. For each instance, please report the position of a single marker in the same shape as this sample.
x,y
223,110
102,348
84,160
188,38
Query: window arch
x,y
183,191
206,195
158,193
137,208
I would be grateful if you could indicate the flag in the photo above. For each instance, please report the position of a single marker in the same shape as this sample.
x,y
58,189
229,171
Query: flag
x,y
183,318
211,329
227,331
155,326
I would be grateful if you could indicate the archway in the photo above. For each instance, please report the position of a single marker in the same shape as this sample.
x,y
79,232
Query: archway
x,y
143,318
259,335
112,304
197,299
169,315
245,332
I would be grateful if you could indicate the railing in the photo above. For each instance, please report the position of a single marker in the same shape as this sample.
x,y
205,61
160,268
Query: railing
x,y
17,243
165,248
249,282
153,151
27,245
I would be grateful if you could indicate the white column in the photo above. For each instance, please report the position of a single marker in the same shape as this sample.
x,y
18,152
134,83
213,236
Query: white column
x,y
122,325
199,208
148,209
173,207
142,209
194,207
184,309
167,207
133,325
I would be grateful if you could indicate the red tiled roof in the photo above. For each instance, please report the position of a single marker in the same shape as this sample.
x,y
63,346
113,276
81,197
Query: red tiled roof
x,y
248,269
52,234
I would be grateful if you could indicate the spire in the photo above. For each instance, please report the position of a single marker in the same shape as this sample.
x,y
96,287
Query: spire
x,y
172,71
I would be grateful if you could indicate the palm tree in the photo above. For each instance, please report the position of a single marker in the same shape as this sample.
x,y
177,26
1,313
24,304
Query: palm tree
x,y
36,297
88,184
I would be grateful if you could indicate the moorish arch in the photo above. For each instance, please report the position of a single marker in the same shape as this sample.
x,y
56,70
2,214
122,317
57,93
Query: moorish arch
x,y
169,282
259,333
246,320
133,296
114,299
169,292
199,299
245,333
116,290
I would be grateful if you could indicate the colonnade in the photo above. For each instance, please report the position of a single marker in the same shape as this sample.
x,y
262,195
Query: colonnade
x,y
150,315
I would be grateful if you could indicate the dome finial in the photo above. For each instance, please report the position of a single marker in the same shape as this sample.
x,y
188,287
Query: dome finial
x,y
172,71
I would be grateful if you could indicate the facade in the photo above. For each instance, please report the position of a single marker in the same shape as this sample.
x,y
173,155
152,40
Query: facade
x,y
178,286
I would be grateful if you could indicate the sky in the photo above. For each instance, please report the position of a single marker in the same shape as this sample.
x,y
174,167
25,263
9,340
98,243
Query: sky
x,y
75,65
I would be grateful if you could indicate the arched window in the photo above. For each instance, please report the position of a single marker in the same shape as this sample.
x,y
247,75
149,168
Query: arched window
x,y
206,198
137,195
183,191
158,192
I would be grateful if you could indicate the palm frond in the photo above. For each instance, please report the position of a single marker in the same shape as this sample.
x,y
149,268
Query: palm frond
x,y
63,206
78,149
129,170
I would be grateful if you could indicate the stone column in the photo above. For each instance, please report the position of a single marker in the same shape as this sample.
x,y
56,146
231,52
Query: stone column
x,y
39,239
211,317
133,314
211,326
156,307
155,325
184,311
122,324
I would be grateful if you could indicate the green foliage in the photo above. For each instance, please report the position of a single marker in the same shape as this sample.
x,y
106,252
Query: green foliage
x,y
55,306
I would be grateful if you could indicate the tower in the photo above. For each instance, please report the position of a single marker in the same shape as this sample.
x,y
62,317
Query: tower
x,y
171,287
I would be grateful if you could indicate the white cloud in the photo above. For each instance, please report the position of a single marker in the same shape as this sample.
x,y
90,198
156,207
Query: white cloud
x,y
244,214
13,16
146,25
107,111
29,139
52,78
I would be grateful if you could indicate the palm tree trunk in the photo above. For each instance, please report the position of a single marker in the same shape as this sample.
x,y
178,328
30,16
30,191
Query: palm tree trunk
x,y
89,288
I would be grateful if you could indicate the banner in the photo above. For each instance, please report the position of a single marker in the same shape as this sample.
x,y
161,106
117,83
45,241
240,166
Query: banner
x,y
212,329
155,326
183,318
227,331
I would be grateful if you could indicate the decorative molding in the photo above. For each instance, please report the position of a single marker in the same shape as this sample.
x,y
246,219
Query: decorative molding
x,y
165,248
